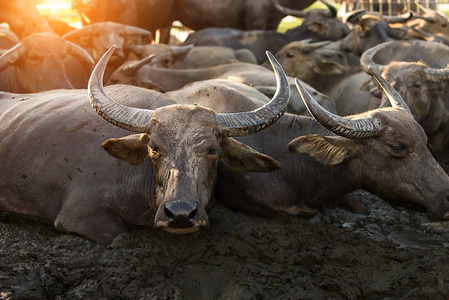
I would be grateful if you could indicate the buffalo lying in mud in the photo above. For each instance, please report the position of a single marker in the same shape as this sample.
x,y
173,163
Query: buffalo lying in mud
x,y
52,166
383,151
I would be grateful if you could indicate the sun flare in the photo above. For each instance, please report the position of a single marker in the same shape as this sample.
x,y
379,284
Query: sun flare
x,y
61,9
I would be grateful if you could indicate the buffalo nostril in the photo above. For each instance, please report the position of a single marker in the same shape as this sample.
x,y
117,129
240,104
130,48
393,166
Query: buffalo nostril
x,y
193,214
180,214
168,212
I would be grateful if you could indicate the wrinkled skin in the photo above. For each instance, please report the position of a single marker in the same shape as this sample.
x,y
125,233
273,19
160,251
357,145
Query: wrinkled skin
x,y
42,66
397,166
86,191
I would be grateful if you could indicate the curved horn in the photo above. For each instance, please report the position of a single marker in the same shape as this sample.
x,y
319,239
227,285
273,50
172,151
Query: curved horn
x,y
245,123
133,30
353,16
288,11
78,35
424,34
398,19
81,55
306,46
392,95
367,62
353,129
430,19
437,75
132,67
129,118
181,50
332,10
11,56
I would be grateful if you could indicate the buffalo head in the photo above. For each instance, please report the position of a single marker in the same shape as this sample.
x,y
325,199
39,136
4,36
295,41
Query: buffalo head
x,y
432,22
96,39
383,151
185,143
321,24
418,71
39,61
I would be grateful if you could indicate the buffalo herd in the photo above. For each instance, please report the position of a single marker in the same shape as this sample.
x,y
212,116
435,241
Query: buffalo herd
x,y
104,128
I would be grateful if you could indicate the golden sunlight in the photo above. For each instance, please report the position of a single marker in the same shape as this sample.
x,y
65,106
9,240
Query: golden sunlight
x,y
61,9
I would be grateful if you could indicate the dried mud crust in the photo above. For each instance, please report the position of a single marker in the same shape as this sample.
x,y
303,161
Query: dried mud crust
x,y
391,253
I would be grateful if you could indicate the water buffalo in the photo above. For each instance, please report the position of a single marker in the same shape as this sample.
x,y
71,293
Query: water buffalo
x,y
383,151
53,167
147,14
37,64
331,71
97,38
318,25
190,56
242,14
23,17
370,29
433,22
418,71
195,14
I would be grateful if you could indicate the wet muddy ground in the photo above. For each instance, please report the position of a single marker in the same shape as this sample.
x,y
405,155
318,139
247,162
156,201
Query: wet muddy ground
x,y
391,253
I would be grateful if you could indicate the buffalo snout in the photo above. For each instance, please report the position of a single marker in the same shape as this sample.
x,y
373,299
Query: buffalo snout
x,y
438,208
181,217
180,214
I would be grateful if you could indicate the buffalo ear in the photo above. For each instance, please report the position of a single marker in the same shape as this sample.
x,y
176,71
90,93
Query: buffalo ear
x,y
132,148
325,66
328,150
317,27
239,157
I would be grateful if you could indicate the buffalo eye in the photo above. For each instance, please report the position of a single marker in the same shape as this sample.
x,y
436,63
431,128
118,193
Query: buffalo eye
x,y
398,150
212,151
397,147
289,55
444,25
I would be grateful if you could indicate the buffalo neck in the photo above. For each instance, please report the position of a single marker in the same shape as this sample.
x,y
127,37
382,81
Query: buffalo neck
x,y
301,181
